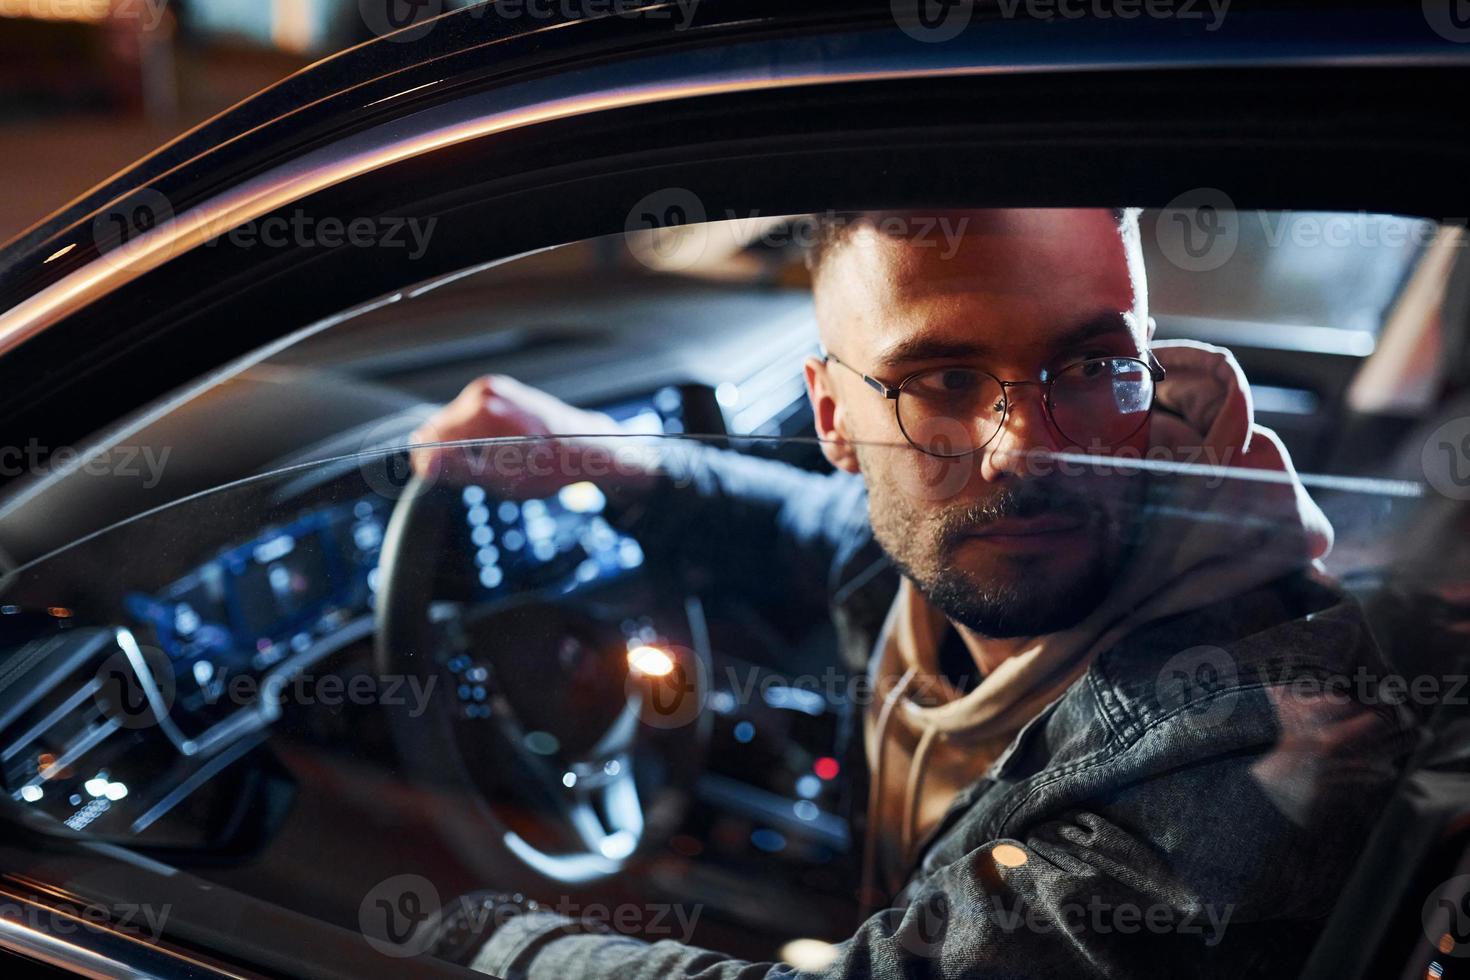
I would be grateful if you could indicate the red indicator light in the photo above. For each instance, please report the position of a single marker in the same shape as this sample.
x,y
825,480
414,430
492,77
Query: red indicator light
x,y
826,767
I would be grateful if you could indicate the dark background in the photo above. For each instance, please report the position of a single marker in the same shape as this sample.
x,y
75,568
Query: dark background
x,y
89,86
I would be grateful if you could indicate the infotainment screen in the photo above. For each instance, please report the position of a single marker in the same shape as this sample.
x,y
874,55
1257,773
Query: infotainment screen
x,y
282,581
255,604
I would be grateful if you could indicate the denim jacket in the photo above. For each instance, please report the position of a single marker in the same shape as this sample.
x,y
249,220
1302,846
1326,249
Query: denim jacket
x,y
1190,807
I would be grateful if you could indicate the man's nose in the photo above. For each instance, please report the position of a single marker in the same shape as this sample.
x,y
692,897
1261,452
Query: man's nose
x,y
1027,429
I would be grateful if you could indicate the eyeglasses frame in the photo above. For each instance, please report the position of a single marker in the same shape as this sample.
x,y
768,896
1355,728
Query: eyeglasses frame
x,y
1148,360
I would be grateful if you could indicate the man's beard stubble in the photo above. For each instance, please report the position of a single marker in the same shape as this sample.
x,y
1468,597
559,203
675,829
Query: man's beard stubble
x,y
1027,600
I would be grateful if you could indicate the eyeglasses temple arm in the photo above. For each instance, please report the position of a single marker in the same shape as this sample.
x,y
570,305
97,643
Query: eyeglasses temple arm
x,y
890,393
1154,367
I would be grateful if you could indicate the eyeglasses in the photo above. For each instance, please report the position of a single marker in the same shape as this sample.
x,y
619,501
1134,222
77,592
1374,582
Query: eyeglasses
x,y
955,411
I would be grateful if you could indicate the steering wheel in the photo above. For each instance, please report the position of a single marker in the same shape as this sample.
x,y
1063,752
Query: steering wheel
x,y
551,732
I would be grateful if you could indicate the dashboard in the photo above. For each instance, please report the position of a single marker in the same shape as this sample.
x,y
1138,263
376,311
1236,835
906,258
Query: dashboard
x,y
194,672
144,679
261,611
258,609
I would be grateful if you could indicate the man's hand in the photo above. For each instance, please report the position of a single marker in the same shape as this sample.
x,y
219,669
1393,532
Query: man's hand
x,y
546,443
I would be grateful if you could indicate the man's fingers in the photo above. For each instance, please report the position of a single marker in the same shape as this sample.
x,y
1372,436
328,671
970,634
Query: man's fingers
x,y
424,458
498,407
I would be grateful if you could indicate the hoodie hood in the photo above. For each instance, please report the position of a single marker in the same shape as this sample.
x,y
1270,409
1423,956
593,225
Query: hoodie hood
x,y
1234,517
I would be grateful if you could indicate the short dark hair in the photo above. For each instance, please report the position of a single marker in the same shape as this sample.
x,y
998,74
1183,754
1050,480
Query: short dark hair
x,y
831,229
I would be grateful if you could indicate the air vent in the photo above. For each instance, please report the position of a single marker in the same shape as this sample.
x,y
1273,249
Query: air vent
x,y
51,711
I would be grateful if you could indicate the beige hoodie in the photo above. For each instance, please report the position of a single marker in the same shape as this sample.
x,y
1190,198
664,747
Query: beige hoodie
x,y
926,741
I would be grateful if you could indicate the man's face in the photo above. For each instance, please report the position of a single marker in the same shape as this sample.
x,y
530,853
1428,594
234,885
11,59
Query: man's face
x,y
999,540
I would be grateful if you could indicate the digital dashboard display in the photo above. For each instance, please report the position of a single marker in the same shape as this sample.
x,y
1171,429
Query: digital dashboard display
x,y
559,542
255,604
564,541
282,579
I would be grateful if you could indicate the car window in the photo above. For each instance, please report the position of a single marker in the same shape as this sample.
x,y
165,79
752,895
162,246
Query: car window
x,y
734,582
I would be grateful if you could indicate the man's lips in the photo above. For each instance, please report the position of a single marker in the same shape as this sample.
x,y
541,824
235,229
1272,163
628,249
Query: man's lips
x,y
1024,529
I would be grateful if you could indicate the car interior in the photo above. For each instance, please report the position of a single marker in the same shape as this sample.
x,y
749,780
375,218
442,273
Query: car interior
x,y
204,660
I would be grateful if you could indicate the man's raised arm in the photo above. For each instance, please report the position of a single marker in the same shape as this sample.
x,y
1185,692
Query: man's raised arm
x,y
767,530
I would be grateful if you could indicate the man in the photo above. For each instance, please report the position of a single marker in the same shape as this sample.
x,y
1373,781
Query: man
x,y
1105,739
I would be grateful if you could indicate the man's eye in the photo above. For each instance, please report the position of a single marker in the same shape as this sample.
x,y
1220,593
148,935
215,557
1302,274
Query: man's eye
x,y
957,382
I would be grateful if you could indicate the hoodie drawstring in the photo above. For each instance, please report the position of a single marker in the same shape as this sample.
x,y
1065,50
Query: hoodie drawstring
x,y
875,792
912,789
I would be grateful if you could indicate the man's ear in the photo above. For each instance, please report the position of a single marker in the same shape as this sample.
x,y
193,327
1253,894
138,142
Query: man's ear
x,y
828,415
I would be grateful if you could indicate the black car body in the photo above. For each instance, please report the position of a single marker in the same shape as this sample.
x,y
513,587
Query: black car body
x,y
515,134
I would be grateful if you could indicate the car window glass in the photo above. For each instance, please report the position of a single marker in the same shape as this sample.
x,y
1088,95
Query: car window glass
x,y
644,641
